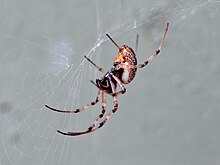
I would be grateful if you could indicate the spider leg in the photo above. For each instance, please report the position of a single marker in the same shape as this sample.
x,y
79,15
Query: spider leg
x,y
91,129
74,133
100,69
136,45
94,83
78,109
121,86
102,112
100,124
113,41
154,54
110,114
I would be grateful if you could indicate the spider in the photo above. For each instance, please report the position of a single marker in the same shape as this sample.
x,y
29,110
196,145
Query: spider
x,y
123,72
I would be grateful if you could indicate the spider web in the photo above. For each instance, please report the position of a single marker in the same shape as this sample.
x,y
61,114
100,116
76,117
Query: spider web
x,y
42,49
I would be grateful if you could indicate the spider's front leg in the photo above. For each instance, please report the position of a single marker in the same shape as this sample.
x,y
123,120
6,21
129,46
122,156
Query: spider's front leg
x,y
94,129
111,113
120,84
101,114
78,109
118,81
101,124
104,109
115,99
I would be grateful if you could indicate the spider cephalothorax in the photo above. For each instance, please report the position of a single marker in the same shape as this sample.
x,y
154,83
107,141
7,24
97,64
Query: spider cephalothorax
x,y
105,83
123,72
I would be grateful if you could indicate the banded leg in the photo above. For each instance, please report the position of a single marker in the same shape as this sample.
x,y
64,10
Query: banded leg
x,y
111,113
100,69
102,112
101,124
78,109
151,57
120,84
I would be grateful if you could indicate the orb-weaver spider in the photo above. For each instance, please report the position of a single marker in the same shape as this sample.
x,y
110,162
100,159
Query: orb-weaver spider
x,y
123,72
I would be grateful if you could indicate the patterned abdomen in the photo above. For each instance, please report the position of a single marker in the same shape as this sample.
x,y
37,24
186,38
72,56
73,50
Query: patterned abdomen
x,y
126,56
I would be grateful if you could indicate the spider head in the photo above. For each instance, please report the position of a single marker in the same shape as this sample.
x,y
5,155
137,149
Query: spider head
x,y
104,84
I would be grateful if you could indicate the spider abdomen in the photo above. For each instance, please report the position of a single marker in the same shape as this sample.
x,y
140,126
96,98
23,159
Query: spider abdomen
x,y
128,75
126,57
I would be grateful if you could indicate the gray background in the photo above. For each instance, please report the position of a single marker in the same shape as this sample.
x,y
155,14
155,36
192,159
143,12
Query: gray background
x,y
170,113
